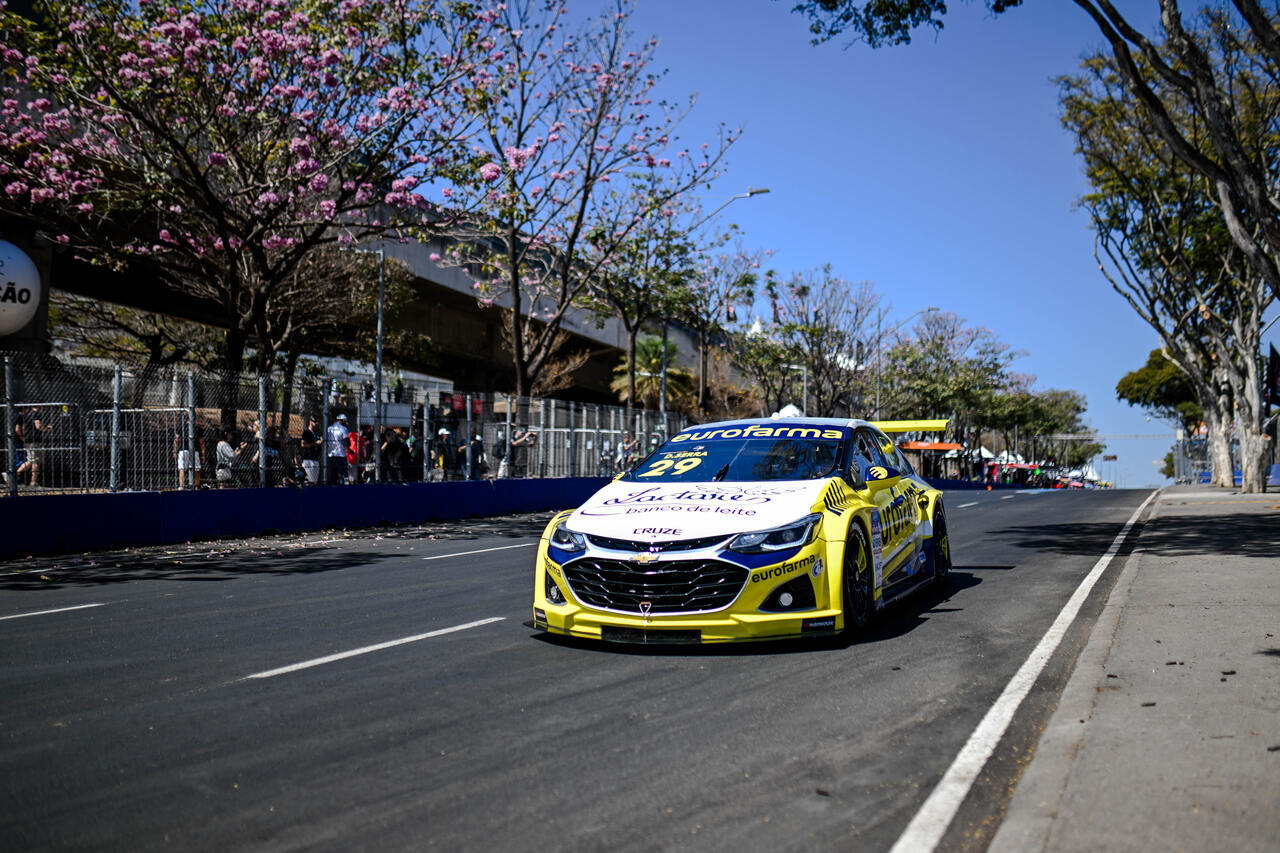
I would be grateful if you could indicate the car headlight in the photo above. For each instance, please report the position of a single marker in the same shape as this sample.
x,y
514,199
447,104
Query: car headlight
x,y
567,540
777,539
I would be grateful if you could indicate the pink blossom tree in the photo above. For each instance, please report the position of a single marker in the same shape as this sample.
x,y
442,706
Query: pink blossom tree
x,y
213,144
575,123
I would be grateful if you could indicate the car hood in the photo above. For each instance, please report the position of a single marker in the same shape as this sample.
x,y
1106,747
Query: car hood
x,y
662,512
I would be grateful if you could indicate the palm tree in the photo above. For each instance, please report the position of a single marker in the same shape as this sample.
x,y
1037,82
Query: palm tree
x,y
680,385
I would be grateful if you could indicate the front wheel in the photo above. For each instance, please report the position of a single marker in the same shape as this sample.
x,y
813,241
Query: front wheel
x,y
858,595
941,550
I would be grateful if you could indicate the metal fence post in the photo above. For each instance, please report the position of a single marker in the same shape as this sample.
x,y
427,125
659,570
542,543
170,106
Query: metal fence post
x,y
508,452
598,451
114,482
546,439
573,442
470,461
324,435
262,432
11,465
193,464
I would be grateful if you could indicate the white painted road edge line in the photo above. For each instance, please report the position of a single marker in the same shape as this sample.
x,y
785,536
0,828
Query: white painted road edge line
x,y
45,612
1006,497
970,503
374,648
931,821
481,551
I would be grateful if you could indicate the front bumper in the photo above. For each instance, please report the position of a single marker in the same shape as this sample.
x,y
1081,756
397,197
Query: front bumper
x,y
573,621
751,615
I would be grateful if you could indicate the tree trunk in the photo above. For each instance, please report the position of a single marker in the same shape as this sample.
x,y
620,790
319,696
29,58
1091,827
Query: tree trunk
x,y
229,382
632,332
1219,443
286,402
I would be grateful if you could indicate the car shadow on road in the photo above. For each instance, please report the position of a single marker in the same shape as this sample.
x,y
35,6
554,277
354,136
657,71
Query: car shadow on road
x,y
897,619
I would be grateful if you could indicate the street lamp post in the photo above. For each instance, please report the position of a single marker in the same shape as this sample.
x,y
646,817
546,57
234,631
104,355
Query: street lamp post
x,y
662,399
879,344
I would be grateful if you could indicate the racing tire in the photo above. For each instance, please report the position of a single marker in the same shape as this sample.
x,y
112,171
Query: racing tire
x,y
858,603
941,550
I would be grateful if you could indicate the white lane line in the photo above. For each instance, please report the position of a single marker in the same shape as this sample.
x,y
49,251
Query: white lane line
x,y
46,612
1007,497
306,664
970,503
481,551
930,823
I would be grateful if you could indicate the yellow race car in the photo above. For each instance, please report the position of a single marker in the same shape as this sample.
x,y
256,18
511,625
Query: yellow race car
x,y
744,530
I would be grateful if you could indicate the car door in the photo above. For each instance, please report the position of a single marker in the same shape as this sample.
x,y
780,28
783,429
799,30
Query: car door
x,y
898,515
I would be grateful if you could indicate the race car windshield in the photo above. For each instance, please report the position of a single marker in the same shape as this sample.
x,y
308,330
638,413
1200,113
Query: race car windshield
x,y
783,453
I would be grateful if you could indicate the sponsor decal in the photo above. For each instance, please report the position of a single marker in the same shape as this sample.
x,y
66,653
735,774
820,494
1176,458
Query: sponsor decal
x,y
827,623
753,431
724,500
658,531
551,567
877,472
786,569
817,568
877,547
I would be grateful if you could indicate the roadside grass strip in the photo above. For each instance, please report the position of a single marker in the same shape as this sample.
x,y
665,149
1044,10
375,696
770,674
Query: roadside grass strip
x,y
47,612
377,647
930,823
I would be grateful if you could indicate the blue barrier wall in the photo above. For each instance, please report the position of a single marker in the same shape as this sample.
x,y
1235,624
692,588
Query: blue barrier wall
x,y
63,524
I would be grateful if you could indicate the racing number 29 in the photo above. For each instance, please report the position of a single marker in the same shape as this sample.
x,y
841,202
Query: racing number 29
x,y
657,469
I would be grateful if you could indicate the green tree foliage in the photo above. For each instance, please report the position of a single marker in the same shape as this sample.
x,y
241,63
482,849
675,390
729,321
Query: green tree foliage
x,y
1161,388
1165,247
646,379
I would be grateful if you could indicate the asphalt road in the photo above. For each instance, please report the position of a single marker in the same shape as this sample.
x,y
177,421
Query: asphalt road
x,y
139,724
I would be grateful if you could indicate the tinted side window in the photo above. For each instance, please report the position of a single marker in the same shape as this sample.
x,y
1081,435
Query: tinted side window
x,y
867,445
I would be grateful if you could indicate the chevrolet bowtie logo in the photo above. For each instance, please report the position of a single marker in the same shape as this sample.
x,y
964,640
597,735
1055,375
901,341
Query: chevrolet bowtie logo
x,y
644,558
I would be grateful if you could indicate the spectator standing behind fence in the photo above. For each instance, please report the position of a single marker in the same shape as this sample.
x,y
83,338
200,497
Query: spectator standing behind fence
x,y
311,450
395,454
183,457
20,463
226,457
627,449
33,434
522,438
272,444
362,447
473,464
336,449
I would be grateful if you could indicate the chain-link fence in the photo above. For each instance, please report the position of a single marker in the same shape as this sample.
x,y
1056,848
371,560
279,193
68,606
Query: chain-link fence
x,y
88,427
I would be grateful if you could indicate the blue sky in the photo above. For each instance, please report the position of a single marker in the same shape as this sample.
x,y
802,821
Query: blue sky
x,y
939,171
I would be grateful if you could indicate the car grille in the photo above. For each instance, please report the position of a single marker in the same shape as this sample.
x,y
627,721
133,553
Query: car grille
x,y
612,544
678,586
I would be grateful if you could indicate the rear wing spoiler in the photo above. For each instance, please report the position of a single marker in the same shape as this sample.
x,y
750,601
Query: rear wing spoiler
x,y
932,425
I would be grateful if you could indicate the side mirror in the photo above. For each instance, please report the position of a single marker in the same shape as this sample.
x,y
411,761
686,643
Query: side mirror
x,y
879,478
